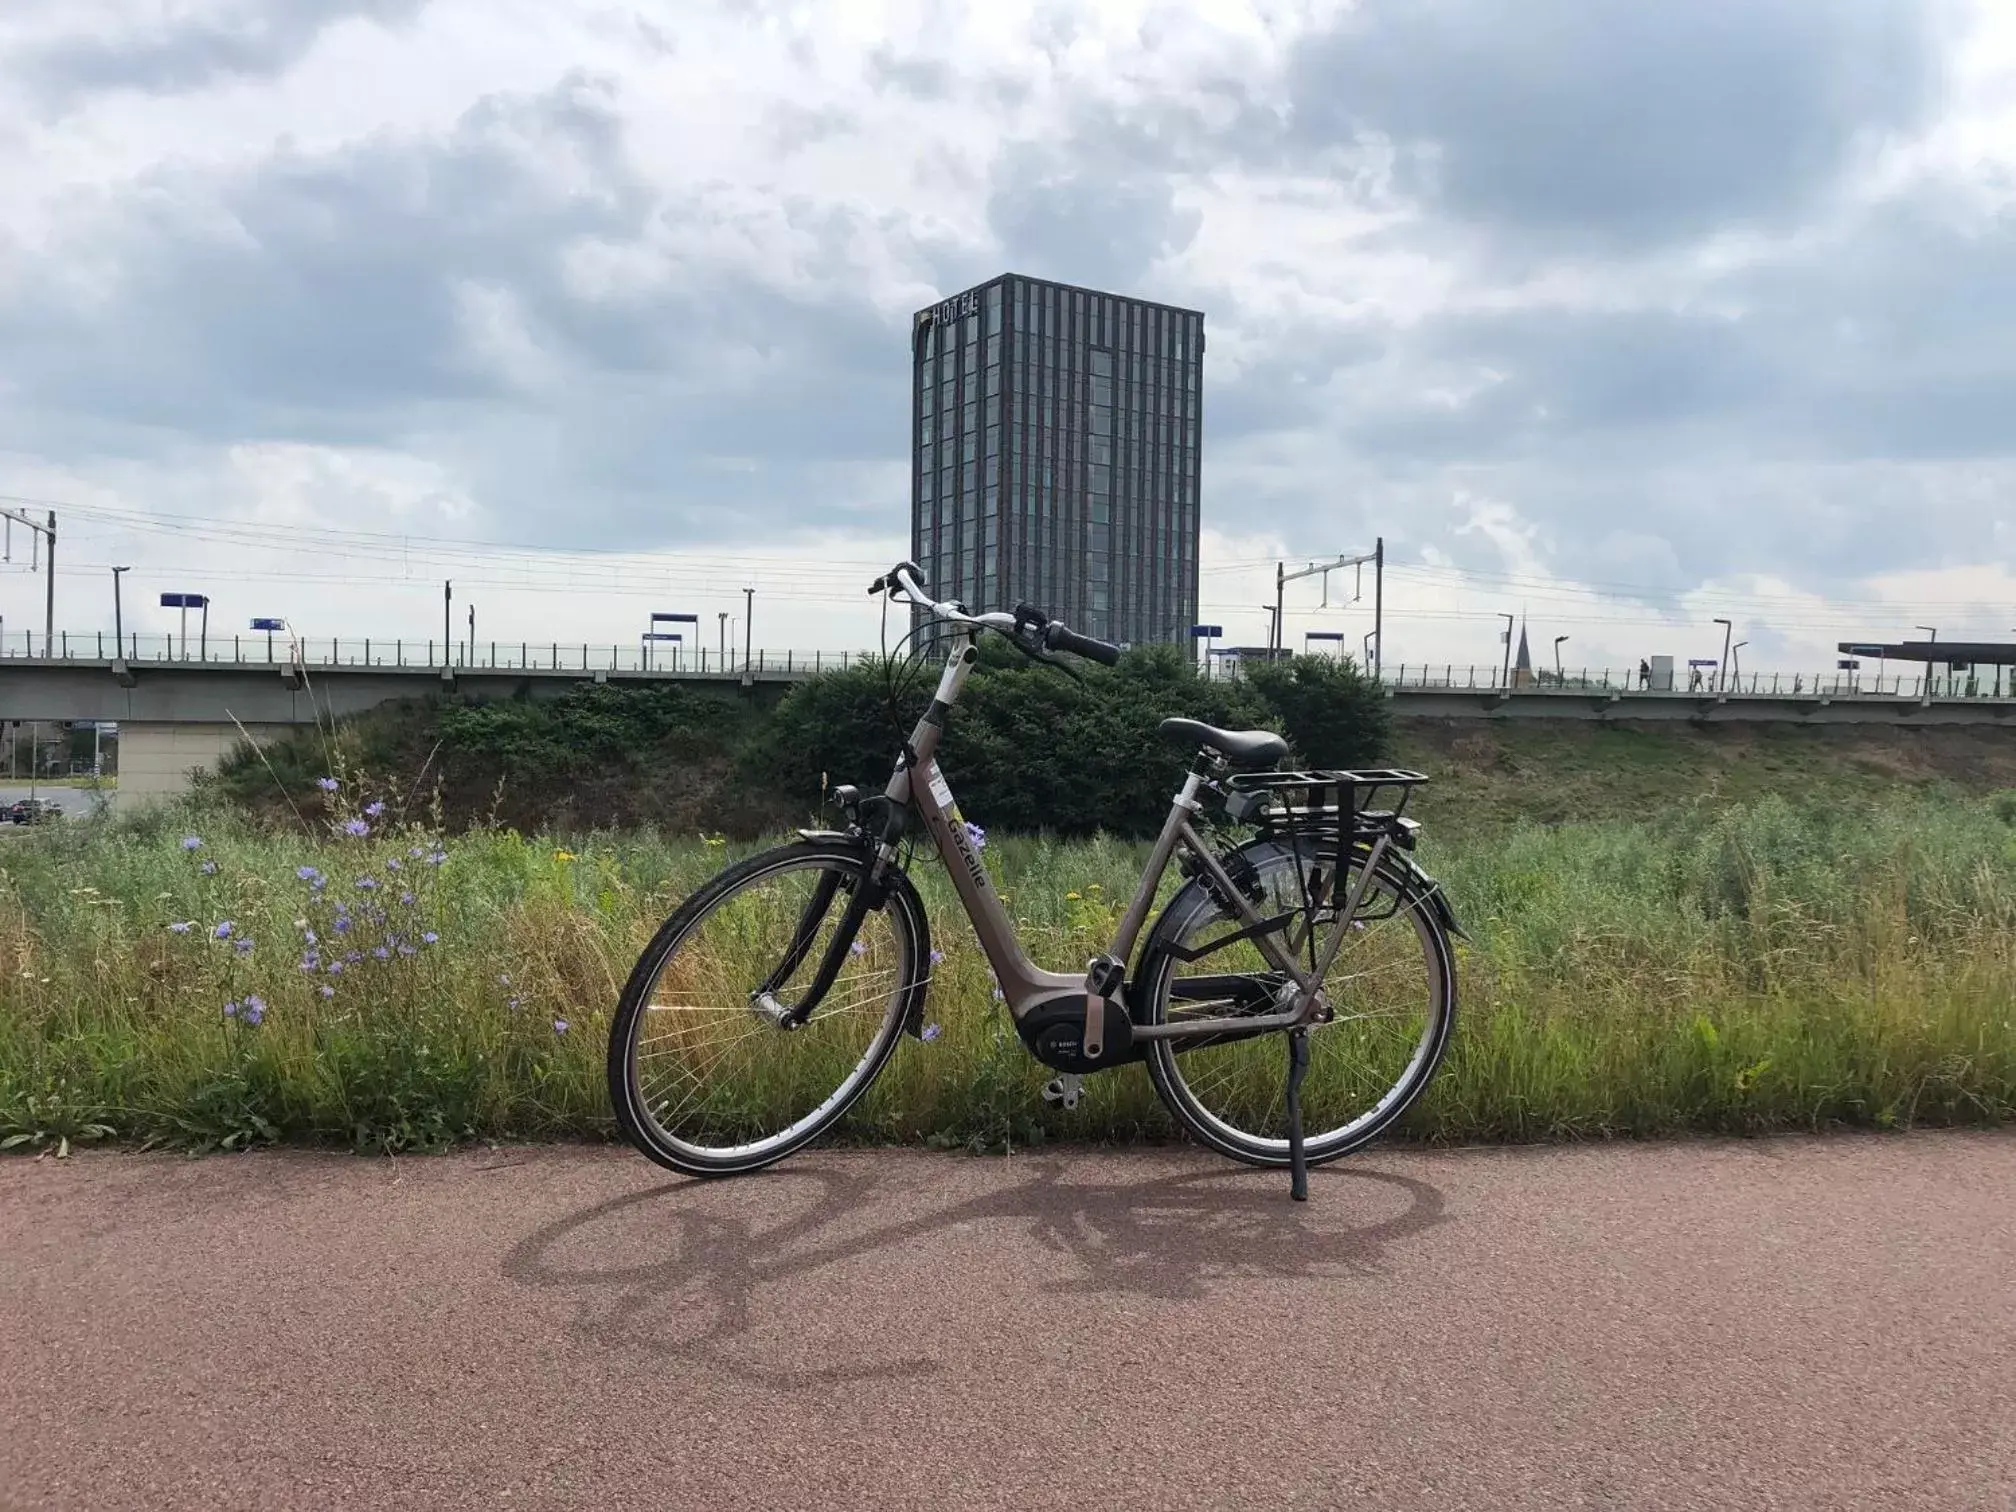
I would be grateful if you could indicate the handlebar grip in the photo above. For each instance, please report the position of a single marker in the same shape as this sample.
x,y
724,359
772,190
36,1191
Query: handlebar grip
x,y
1064,638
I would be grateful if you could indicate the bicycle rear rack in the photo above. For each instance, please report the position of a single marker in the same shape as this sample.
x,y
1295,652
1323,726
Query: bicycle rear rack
x,y
1325,804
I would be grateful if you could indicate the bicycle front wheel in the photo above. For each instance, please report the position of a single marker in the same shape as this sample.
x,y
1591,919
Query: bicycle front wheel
x,y
1391,986
705,1080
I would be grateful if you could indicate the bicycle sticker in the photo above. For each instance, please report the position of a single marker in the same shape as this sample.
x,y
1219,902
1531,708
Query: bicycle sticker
x,y
941,789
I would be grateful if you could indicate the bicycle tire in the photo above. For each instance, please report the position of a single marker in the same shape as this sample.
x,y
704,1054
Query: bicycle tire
x,y
632,1102
1193,904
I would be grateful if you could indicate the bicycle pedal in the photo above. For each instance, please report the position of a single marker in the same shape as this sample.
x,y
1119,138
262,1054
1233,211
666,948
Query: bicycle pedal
x,y
1065,1089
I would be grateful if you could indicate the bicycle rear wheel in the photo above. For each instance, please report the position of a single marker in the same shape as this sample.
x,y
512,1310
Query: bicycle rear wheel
x,y
701,1078
1392,986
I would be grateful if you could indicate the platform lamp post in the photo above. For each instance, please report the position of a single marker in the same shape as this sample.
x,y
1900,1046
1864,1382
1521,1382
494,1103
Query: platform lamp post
x,y
118,619
1736,663
185,602
1722,667
1505,637
1207,634
653,633
1558,679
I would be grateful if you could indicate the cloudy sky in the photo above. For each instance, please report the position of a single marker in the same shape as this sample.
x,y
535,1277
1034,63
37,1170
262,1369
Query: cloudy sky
x,y
1618,313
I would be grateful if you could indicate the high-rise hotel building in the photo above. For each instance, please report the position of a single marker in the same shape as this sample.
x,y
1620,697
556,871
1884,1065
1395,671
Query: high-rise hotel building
x,y
1055,455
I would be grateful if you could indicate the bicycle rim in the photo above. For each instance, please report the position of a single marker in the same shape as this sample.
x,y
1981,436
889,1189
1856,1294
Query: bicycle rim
x,y
705,1083
1392,986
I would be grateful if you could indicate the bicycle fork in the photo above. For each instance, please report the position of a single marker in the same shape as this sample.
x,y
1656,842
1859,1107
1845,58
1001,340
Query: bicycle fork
x,y
764,1000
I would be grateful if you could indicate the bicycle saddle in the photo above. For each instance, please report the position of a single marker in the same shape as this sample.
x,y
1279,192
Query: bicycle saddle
x,y
1242,748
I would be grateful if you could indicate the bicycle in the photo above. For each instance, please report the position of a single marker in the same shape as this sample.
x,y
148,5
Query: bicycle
x,y
1247,947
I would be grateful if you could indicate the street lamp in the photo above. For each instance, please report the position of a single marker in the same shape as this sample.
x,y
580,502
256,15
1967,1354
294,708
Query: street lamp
x,y
1506,637
1557,657
1736,663
1722,667
118,620
1273,629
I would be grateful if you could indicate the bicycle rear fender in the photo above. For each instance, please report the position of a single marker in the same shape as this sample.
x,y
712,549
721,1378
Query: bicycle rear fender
x,y
1418,889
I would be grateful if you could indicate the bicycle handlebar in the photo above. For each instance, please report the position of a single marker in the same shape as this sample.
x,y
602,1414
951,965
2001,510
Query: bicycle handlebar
x,y
1026,624
1063,638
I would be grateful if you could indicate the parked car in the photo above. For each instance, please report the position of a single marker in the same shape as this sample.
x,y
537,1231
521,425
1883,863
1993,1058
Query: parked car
x,y
33,811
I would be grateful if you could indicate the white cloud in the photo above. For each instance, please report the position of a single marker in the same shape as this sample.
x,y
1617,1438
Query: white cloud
x,y
644,277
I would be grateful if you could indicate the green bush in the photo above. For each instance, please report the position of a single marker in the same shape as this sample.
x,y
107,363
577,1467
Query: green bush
x,y
1335,715
1029,749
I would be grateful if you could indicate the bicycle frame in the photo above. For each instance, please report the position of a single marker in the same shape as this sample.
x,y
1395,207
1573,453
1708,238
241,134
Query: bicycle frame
x,y
920,784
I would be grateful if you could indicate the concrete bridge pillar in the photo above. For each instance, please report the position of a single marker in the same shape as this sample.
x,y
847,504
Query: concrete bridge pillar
x,y
157,758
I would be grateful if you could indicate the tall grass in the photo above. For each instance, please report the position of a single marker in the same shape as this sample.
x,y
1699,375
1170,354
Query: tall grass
x,y
1777,966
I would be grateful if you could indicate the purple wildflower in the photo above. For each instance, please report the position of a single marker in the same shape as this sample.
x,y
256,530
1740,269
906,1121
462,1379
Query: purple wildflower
x,y
318,884
224,930
353,956
976,836
335,968
192,842
230,1010
306,873
311,938
430,938
406,898
391,863
931,1032
937,958
342,923
209,868
513,1004
254,1011
327,784
559,1026
374,809
242,945
183,927
311,961
435,858
416,853
326,990
379,952
356,827
857,948
367,883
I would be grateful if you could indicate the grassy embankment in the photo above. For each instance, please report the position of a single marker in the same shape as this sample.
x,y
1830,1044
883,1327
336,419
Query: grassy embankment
x,y
1781,963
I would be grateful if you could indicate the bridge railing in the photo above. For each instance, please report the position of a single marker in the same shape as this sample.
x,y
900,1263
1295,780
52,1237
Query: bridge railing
x,y
394,654
258,648
1459,678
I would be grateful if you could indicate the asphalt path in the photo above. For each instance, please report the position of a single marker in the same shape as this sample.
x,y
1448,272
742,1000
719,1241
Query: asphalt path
x,y
1783,1323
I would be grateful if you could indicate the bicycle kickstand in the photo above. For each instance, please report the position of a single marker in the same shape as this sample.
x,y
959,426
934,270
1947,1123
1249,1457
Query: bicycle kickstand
x,y
1298,1067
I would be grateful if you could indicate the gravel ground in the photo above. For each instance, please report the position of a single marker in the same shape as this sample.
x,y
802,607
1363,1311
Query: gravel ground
x,y
1782,1323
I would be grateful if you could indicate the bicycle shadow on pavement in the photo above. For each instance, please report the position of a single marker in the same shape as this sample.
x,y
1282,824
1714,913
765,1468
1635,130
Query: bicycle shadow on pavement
x,y
730,1274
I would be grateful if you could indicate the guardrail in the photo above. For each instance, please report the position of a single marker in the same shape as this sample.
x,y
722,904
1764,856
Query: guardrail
x,y
313,652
